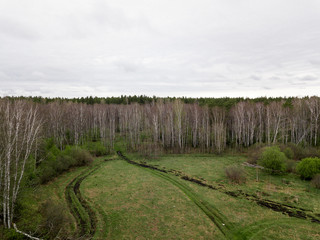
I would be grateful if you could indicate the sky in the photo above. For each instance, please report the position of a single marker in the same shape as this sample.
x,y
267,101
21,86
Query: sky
x,y
192,48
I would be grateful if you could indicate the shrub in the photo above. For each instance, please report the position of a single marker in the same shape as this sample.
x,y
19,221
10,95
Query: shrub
x,y
316,181
55,219
46,173
300,152
54,165
235,174
81,156
96,148
308,167
291,166
254,154
64,162
273,160
10,234
289,153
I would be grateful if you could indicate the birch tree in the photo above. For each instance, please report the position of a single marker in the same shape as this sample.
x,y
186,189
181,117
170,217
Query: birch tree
x,y
20,127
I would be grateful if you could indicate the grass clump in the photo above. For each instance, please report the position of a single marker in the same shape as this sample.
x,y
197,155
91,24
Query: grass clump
x,y
309,167
235,174
273,160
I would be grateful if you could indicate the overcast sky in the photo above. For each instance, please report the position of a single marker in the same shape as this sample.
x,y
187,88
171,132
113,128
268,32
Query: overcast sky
x,y
198,48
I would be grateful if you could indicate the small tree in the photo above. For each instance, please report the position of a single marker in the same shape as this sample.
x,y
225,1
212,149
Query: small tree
x,y
308,167
273,160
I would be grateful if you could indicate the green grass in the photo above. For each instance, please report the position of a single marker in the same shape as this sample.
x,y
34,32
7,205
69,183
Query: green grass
x,y
287,189
131,202
136,204
32,199
251,220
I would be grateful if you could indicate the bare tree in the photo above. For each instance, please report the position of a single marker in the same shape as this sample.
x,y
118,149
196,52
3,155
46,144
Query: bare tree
x,y
178,113
218,129
20,127
314,107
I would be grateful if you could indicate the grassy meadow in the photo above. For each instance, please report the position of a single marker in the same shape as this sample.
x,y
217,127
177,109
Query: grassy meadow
x,y
133,202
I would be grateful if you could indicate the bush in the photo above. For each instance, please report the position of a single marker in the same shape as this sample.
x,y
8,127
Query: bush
x,y
289,153
55,165
46,173
254,153
300,152
316,181
273,160
308,167
96,148
81,156
10,234
235,174
48,168
291,166
55,219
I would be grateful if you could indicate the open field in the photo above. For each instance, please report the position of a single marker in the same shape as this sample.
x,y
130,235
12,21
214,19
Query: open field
x,y
181,197
248,220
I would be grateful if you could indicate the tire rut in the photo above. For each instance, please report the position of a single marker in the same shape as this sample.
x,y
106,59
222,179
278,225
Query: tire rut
x,y
285,209
79,207
214,215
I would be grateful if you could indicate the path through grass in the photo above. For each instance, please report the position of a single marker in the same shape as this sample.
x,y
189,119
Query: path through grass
x,y
136,204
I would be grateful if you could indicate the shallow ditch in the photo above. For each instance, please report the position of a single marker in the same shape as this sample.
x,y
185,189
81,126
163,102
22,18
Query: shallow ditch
x,y
288,210
214,214
87,227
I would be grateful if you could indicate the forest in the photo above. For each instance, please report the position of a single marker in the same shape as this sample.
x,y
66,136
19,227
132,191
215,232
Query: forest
x,y
38,133
209,125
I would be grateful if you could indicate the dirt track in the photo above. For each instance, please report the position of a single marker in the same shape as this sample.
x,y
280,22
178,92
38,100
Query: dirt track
x,y
291,211
86,217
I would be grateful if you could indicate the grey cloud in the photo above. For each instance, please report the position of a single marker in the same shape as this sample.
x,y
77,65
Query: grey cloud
x,y
315,62
198,48
255,77
308,78
17,30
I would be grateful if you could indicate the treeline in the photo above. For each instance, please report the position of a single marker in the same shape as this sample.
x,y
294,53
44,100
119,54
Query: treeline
x,y
225,102
176,126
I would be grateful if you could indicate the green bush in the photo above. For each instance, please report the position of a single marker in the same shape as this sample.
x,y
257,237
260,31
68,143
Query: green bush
x,y
64,162
81,156
10,234
46,173
289,153
273,160
96,148
308,167
54,165
291,166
